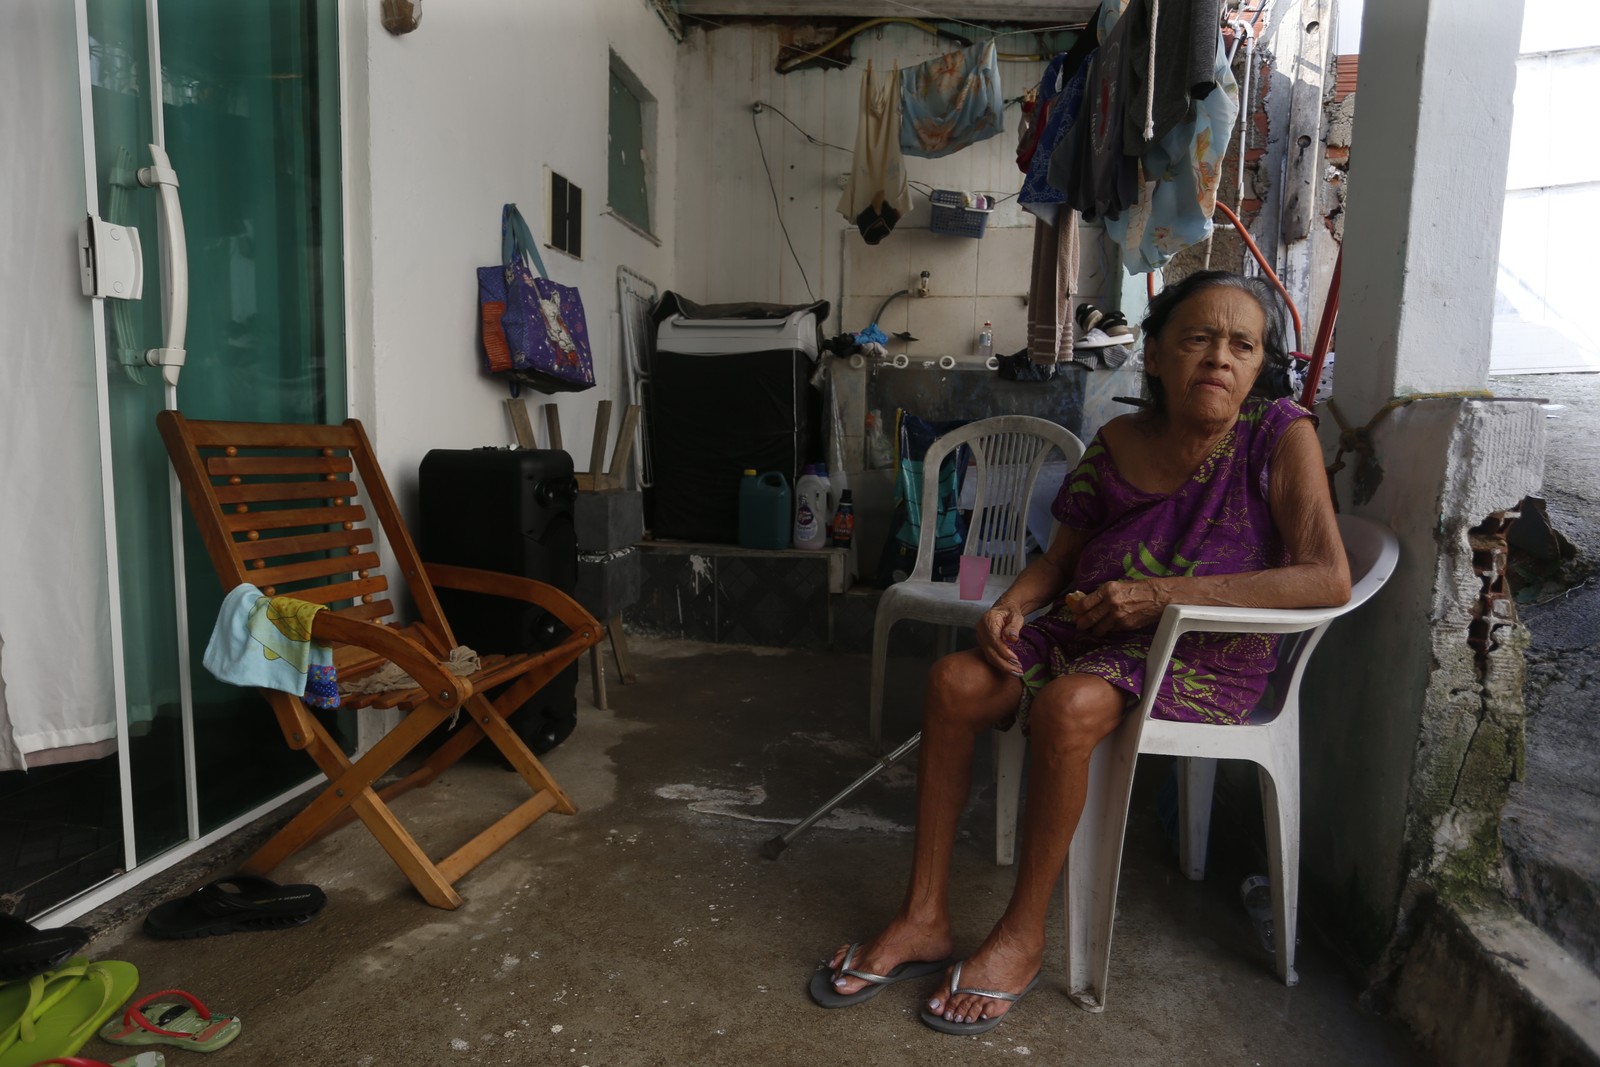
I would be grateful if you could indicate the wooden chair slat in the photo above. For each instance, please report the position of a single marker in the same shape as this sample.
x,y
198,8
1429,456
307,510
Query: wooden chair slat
x,y
272,435
314,568
299,544
378,609
237,522
224,466
331,594
263,491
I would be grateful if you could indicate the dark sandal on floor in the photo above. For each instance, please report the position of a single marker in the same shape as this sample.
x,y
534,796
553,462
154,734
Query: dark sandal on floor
x,y
239,902
946,1026
26,951
824,993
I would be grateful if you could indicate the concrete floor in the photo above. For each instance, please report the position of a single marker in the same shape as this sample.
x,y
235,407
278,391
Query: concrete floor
x,y
648,929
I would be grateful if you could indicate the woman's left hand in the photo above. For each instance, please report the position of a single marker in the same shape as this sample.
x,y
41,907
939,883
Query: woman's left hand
x,y
1121,606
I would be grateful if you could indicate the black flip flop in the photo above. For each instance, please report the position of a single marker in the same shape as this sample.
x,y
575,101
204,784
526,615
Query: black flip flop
x,y
982,1026
26,950
823,992
236,903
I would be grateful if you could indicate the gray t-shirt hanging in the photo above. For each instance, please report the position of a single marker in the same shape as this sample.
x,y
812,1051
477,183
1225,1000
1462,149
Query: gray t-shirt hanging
x,y
1088,164
1186,56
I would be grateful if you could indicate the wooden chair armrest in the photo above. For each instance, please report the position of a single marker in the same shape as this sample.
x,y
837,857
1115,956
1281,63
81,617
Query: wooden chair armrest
x,y
443,687
511,587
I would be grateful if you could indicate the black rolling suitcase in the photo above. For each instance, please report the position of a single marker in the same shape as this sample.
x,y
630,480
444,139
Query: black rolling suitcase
x,y
506,510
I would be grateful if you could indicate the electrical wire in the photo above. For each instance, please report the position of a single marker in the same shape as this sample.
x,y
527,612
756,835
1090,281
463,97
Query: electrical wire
x,y
777,207
814,140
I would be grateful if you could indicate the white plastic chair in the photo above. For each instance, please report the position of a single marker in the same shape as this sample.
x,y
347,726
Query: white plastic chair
x,y
1008,452
1271,740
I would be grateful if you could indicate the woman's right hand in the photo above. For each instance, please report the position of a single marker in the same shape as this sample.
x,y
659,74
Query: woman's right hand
x,y
998,632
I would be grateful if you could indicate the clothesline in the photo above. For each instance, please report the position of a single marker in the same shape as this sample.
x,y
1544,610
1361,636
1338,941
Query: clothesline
x,y
923,187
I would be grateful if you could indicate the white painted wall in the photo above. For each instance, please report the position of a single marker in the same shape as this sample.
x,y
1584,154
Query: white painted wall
x,y
446,124
55,623
1543,318
730,243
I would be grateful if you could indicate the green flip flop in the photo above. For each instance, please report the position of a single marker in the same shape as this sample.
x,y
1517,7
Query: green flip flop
x,y
24,1001
72,1019
158,1019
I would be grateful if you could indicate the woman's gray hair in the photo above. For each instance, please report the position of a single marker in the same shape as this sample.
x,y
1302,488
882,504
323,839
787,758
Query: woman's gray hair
x,y
1273,380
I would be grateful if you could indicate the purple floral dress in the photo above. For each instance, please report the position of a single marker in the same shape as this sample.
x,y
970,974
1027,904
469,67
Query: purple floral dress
x,y
1218,522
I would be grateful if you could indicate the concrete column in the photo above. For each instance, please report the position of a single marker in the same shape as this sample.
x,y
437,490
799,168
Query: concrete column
x,y
1412,733
1427,181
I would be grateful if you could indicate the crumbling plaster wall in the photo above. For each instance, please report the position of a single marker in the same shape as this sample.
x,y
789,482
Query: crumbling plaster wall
x,y
1410,741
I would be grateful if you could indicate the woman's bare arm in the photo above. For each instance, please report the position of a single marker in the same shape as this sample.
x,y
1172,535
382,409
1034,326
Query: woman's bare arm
x,y
1318,575
1038,585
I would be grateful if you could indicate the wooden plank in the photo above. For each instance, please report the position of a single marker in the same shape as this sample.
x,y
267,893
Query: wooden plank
x,y
223,466
235,522
268,491
521,426
207,434
270,547
602,430
315,568
617,475
491,840
552,423
378,609
330,594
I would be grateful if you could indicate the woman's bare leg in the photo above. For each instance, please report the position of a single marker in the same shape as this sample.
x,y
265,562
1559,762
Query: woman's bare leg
x,y
966,696
1069,717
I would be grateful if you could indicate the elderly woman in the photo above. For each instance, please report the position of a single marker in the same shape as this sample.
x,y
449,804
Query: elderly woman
x,y
1213,494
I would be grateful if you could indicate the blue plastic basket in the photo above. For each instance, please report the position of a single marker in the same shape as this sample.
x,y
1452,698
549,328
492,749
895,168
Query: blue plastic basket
x,y
952,218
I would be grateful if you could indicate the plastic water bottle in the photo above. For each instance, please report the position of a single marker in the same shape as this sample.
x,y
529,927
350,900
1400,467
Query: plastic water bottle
x,y
1256,894
986,342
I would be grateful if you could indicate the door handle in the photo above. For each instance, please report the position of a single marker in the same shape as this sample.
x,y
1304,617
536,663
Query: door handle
x,y
174,266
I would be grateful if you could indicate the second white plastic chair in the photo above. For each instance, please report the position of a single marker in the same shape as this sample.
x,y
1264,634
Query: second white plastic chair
x,y
1008,452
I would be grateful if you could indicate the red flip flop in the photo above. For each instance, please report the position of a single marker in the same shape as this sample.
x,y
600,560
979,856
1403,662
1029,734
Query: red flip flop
x,y
185,1022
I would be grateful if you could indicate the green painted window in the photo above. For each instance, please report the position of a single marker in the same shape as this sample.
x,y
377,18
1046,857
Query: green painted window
x,y
628,163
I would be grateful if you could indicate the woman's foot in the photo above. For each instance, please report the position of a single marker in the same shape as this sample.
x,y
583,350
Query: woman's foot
x,y
1004,962
902,941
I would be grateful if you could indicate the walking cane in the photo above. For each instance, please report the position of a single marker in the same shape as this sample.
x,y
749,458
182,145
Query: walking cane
x,y
774,848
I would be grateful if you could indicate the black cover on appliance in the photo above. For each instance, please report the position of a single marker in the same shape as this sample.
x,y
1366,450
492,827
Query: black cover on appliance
x,y
716,415
509,511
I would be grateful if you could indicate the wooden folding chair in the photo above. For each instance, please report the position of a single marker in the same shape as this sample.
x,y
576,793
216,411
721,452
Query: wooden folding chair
x,y
276,505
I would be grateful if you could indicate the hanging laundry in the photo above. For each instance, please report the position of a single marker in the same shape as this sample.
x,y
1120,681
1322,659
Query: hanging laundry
x,y
1053,281
266,641
1043,130
1037,194
1178,193
951,102
1088,165
877,195
1166,76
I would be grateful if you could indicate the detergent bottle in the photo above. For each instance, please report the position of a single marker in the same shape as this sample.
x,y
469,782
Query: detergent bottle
x,y
811,509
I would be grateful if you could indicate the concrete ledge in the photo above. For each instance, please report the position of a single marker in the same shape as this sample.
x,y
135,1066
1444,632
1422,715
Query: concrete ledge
x,y
1488,987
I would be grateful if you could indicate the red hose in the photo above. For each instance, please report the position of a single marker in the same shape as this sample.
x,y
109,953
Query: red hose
x,y
1319,350
1244,235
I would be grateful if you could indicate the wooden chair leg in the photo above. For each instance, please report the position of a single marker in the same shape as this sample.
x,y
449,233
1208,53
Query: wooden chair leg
x,y
491,719
597,676
619,649
344,798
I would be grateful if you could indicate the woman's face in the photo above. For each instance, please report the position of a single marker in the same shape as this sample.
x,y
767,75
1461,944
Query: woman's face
x,y
1209,354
